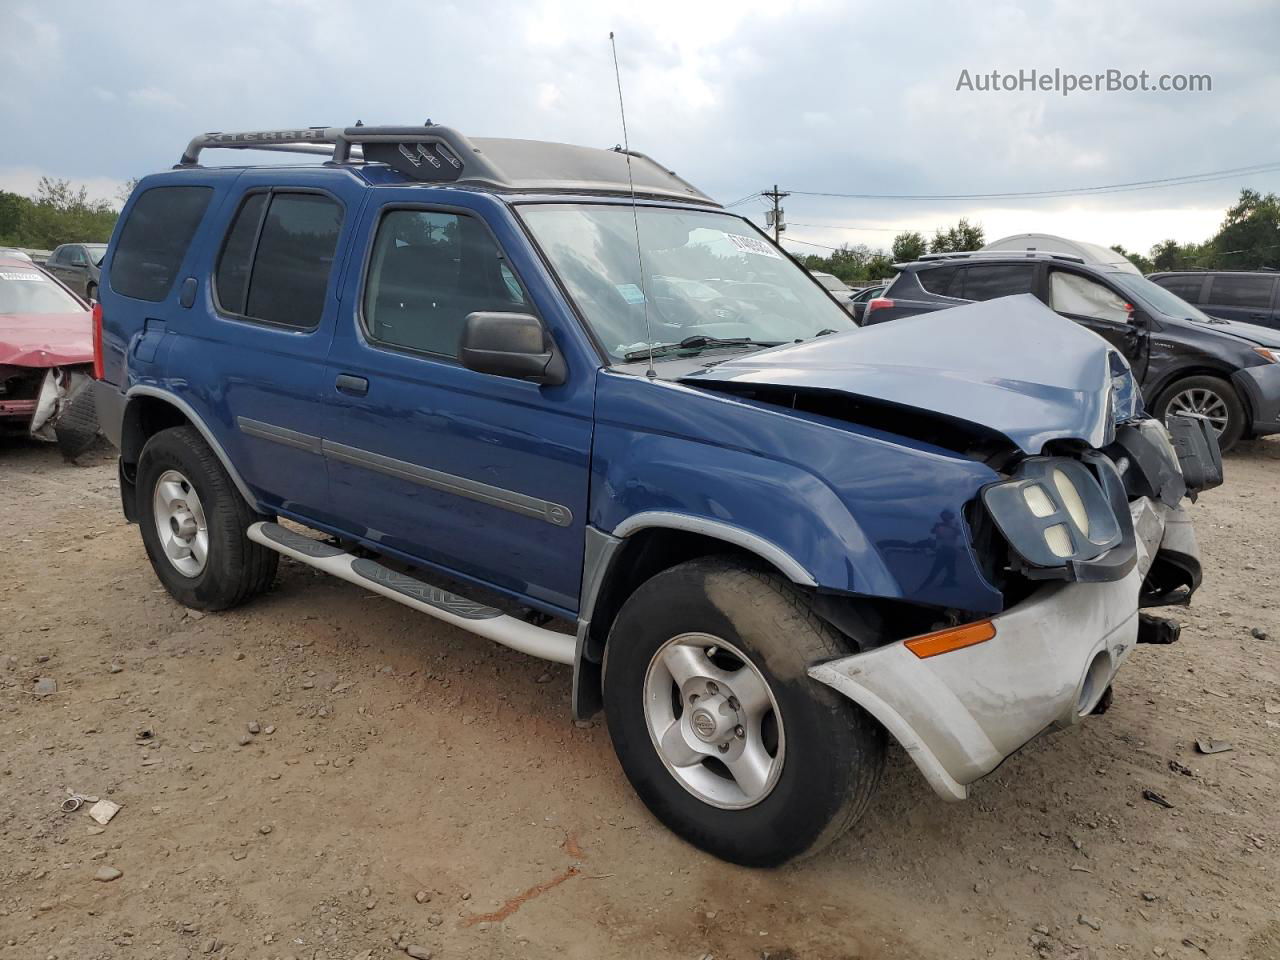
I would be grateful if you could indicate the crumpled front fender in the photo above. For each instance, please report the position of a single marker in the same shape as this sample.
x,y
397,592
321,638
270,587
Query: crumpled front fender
x,y
862,511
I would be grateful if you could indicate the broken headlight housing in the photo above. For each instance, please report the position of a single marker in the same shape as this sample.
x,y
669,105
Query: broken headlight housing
x,y
1064,520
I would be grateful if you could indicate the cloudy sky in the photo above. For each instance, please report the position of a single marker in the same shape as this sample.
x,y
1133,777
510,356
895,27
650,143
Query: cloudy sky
x,y
822,97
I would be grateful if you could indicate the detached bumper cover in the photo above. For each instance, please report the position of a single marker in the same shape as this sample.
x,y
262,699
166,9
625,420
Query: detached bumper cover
x,y
960,714
1261,386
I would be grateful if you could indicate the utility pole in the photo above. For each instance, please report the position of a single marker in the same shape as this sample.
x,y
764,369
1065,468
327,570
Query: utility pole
x,y
774,217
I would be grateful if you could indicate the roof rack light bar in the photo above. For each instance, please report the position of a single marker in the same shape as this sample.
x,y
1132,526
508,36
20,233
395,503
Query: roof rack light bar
x,y
431,153
428,152
1029,254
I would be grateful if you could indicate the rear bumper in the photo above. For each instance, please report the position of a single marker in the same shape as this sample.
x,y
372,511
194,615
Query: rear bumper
x,y
1261,387
960,714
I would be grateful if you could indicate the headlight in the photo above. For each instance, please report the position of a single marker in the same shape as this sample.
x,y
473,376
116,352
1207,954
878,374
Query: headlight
x,y
1270,354
1055,515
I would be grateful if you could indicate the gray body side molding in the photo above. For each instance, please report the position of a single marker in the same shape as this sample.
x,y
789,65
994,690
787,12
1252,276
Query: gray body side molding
x,y
751,542
143,390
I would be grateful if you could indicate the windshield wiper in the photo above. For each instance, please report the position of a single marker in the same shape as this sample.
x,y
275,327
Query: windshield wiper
x,y
696,342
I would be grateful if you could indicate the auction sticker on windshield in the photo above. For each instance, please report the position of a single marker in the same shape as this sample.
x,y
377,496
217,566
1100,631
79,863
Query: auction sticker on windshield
x,y
21,276
752,245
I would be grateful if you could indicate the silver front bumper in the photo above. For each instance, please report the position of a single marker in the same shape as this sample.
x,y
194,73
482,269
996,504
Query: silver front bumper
x,y
960,714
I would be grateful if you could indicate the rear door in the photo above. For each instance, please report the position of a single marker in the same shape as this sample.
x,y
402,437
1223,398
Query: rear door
x,y
1102,309
76,274
59,264
483,476
1247,297
256,338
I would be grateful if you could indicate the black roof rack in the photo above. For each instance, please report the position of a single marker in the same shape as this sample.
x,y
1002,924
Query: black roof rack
x,y
432,153
993,254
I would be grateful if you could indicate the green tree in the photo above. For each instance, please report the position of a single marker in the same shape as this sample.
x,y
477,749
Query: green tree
x,y
58,213
1250,234
1172,255
909,245
879,267
963,236
1137,259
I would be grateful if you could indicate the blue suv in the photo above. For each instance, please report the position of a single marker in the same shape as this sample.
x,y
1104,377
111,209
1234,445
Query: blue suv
x,y
557,397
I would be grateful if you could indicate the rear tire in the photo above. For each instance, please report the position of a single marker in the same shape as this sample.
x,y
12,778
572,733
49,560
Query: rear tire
x,y
815,758
193,522
1212,397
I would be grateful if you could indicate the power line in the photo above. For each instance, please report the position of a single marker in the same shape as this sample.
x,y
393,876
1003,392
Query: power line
x,y
834,226
1126,187
736,203
810,243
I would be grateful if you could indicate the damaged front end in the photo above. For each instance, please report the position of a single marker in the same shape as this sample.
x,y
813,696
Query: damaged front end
x,y
1078,524
54,404
1078,544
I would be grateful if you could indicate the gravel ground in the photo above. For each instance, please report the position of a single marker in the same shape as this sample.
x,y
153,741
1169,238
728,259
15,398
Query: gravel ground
x,y
411,785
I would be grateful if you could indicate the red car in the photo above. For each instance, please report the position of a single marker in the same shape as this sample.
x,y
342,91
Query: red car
x,y
46,359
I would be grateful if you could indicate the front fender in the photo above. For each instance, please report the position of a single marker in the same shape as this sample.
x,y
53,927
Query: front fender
x,y
857,510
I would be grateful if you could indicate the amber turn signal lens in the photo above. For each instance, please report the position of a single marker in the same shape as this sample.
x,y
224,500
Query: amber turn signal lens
x,y
955,638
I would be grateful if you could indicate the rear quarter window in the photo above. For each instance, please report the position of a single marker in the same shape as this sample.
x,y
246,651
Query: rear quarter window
x,y
154,240
944,281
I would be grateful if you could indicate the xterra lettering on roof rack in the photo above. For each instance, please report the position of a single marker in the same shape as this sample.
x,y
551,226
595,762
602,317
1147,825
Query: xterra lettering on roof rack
x,y
432,153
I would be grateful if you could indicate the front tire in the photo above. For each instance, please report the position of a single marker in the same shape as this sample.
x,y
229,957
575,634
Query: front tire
x,y
717,724
193,523
1210,397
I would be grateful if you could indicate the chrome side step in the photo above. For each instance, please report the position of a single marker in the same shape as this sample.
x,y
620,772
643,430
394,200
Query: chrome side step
x,y
465,614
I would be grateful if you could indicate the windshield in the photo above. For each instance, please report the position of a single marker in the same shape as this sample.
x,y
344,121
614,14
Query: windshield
x,y
96,252
831,282
1157,297
707,275
30,291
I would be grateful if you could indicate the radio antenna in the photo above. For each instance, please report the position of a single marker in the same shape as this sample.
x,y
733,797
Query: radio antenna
x,y
635,216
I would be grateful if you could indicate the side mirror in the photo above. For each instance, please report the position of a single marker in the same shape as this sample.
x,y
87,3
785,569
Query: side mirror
x,y
511,345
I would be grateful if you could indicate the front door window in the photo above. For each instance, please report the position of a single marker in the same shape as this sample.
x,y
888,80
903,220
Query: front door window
x,y
1079,296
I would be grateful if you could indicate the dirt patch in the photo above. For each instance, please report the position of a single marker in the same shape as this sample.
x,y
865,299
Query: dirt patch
x,y
408,783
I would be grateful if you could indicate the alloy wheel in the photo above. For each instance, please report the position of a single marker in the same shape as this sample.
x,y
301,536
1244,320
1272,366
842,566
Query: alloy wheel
x,y
714,721
1200,402
181,523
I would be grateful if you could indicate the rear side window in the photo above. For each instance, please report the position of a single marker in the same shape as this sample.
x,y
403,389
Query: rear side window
x,y
154,240
988,281
1241,290
277,256
430,269
940,280
1188,288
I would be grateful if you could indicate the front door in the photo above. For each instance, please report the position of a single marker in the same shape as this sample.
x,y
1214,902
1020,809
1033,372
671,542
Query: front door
x,y
1104,311
483,476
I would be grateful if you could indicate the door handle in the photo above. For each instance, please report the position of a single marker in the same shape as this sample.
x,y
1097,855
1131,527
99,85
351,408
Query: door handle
x,y
353,386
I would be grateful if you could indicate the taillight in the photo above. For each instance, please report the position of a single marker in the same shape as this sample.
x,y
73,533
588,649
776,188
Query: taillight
x,y
878,303
99,372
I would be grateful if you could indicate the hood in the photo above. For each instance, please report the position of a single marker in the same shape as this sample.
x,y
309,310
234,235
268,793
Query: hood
x,y
1010,365
46,339
1250,332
